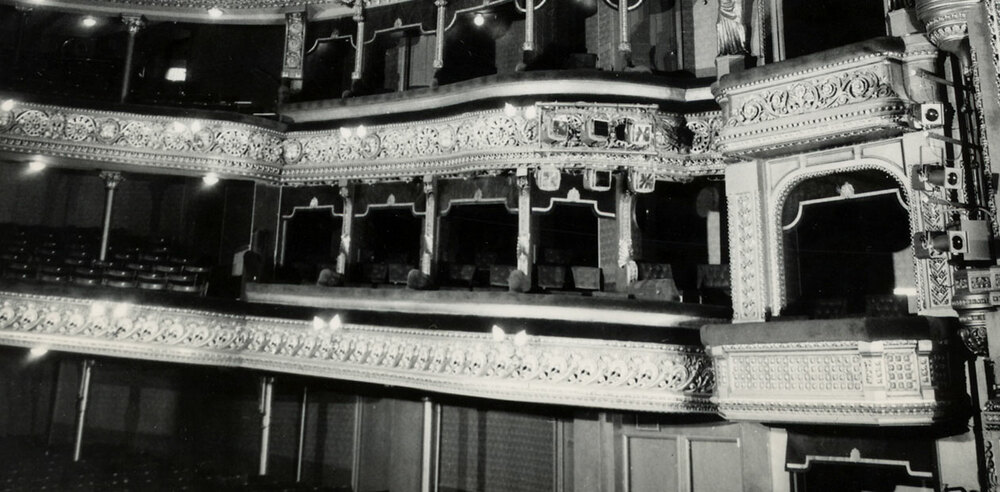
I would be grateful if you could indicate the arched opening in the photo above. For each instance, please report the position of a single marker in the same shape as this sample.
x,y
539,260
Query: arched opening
x,y
568,247
312,241
474,238
847,245
390,244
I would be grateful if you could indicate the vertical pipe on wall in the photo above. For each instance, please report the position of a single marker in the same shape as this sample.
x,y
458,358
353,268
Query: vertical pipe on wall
x,y
111,181
81,405
302,433
266,397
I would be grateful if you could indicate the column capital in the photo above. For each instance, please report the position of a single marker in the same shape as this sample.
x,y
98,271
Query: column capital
x,y
111,179
133,23
945,21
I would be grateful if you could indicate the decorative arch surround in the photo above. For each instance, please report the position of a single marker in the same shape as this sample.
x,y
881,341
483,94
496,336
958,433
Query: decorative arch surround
x,y
933,277
779,195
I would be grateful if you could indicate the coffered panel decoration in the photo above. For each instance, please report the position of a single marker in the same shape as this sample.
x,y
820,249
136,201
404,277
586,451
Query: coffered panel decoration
x,y
153,143
550,370
897,381
595,136
847,95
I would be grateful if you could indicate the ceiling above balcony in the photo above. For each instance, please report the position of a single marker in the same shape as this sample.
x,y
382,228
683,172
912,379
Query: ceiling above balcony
x,y
233,11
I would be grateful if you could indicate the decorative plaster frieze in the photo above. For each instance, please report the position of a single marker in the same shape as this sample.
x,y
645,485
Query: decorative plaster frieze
x,y
846,101
152,142
888,382
746,239
550,370
545,134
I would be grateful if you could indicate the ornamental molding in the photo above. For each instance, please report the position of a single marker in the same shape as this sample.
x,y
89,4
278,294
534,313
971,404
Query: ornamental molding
x,y
150,142
477,142
888,382
543,134
945,21
857,99
549,370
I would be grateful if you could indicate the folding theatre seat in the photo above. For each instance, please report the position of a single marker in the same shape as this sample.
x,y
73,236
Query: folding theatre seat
x,y
151,280
398,273
376,273
551,276
53,273
462,274
586,278
86,276
500,274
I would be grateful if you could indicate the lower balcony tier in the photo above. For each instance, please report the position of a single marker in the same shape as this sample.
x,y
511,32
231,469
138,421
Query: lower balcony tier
x,y
866,371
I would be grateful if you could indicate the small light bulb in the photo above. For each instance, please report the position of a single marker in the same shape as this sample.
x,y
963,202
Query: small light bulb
x,y
498,333
521,339
7,105
335,323
36,166
318,323
345,133
37,352
530,112
215,12
196,127
88,22
179,127
362,131
210,179
509,109
479,20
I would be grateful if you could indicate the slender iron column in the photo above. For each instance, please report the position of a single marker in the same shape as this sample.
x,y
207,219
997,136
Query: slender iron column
x,y
81,405
359,53
133,24
429,461
302,433
428,257
266,397
111,181
524,239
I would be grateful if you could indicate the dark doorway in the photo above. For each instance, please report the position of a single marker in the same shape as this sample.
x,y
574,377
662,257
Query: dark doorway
x,y
312,241
842,251
817,25
567,234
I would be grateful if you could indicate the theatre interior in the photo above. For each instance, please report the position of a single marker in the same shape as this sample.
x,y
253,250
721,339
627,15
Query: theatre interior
x,y
499,245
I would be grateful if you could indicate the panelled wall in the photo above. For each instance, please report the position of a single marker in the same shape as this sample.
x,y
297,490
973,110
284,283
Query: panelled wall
x,y
360,436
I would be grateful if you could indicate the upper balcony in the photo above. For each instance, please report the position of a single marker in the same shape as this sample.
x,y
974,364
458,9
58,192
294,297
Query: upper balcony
x,y
860,92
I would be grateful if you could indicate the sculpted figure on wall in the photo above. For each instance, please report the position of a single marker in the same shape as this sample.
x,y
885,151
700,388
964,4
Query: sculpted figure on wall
x,y
731,30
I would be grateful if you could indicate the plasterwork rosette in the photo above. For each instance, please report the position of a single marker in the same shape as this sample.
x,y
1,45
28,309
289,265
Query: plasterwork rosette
x,y
745,230
552,370
888,382
150,142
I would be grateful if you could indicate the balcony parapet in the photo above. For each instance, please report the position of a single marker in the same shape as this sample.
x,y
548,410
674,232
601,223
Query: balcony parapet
x,y
848,371
493,140
848,95
130,141
666,145
597,373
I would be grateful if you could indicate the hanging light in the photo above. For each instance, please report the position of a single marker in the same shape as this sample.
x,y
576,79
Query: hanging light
x,y
210,179
88,22
36,166
479,20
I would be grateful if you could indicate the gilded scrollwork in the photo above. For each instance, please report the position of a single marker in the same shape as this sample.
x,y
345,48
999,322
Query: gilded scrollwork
x,y
808,95
595,373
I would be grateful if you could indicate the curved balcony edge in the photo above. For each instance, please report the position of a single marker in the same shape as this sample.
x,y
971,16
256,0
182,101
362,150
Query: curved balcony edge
x,y
899,371
590,373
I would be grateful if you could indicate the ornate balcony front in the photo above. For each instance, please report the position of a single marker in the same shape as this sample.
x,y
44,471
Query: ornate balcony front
x,y
898,371
657,377
856,93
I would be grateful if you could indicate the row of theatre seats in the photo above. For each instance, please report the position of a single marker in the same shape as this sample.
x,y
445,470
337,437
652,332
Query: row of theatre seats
x,y
26,466
71,257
